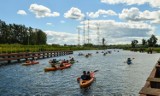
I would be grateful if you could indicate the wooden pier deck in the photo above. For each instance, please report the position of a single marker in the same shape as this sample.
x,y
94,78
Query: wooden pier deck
x,y
34,55
152,85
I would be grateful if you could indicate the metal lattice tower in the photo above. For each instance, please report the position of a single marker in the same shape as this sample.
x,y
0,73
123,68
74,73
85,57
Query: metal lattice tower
x,y
88,32
78,29
84,31
98,35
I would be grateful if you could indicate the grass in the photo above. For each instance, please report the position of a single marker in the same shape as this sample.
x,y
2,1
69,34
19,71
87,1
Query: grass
x,y
16,48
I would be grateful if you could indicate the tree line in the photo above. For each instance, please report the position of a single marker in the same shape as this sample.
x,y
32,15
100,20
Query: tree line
x,y
151,42
13,33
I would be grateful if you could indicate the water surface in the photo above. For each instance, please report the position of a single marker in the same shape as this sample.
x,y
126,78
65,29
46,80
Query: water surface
x,y
114,78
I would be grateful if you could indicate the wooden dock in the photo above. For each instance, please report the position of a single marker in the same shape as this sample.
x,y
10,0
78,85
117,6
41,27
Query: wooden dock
x,y
152,85
34,55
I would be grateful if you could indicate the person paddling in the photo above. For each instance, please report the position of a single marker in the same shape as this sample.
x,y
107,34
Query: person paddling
x,y
88,77
84,76
129,61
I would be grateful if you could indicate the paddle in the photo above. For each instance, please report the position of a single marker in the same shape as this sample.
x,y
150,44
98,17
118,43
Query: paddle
x,y
78,79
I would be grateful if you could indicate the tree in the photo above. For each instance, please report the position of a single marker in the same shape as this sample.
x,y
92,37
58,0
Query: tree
x,y
152,41
144,42
134,43
20,34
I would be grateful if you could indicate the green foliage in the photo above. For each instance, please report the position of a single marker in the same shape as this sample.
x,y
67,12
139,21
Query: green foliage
x,y
16,48
134,43
13,33
152,41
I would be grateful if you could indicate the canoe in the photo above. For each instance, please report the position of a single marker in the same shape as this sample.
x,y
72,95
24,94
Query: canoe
x,y
66,65
87,83
31,63
50,69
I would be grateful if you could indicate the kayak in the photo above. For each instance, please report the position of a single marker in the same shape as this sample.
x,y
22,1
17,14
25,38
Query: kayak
x,y
31,63
50,69
87,83
66,65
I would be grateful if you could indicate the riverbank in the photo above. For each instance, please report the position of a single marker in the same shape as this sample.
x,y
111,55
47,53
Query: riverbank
x,y
17,48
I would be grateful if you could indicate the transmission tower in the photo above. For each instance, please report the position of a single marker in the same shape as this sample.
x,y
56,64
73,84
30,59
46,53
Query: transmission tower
x,y
88,32
84,31
98,35
78,29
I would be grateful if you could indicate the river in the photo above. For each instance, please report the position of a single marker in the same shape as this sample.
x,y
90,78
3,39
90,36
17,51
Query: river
x,y
114,78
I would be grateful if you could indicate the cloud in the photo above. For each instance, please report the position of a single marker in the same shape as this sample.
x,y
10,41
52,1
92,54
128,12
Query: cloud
x,y
134,14
61,38
50,24
74,13
152,3
115,32
41,11
21,12
101,12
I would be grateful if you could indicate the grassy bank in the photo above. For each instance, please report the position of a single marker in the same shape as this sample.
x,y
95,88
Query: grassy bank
x,y
146,49
16,48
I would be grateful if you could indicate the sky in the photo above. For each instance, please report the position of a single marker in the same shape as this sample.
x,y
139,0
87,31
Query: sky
x,y
75,22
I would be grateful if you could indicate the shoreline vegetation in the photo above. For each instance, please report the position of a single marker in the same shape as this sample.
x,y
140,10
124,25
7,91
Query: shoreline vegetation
x,y
16,38
18,48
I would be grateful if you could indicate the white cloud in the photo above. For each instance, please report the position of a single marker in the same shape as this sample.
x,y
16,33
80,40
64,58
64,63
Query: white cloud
x,y
41,11
21,12
134,14
113,32
50,24
101,12
61,38
152,3
74,13
116,32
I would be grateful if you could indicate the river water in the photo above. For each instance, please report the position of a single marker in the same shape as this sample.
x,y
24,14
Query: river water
x,y
114,78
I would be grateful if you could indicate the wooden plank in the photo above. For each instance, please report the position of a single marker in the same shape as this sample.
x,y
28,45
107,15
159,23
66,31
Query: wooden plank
x,y
150,91
22,57
153,79
152,74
